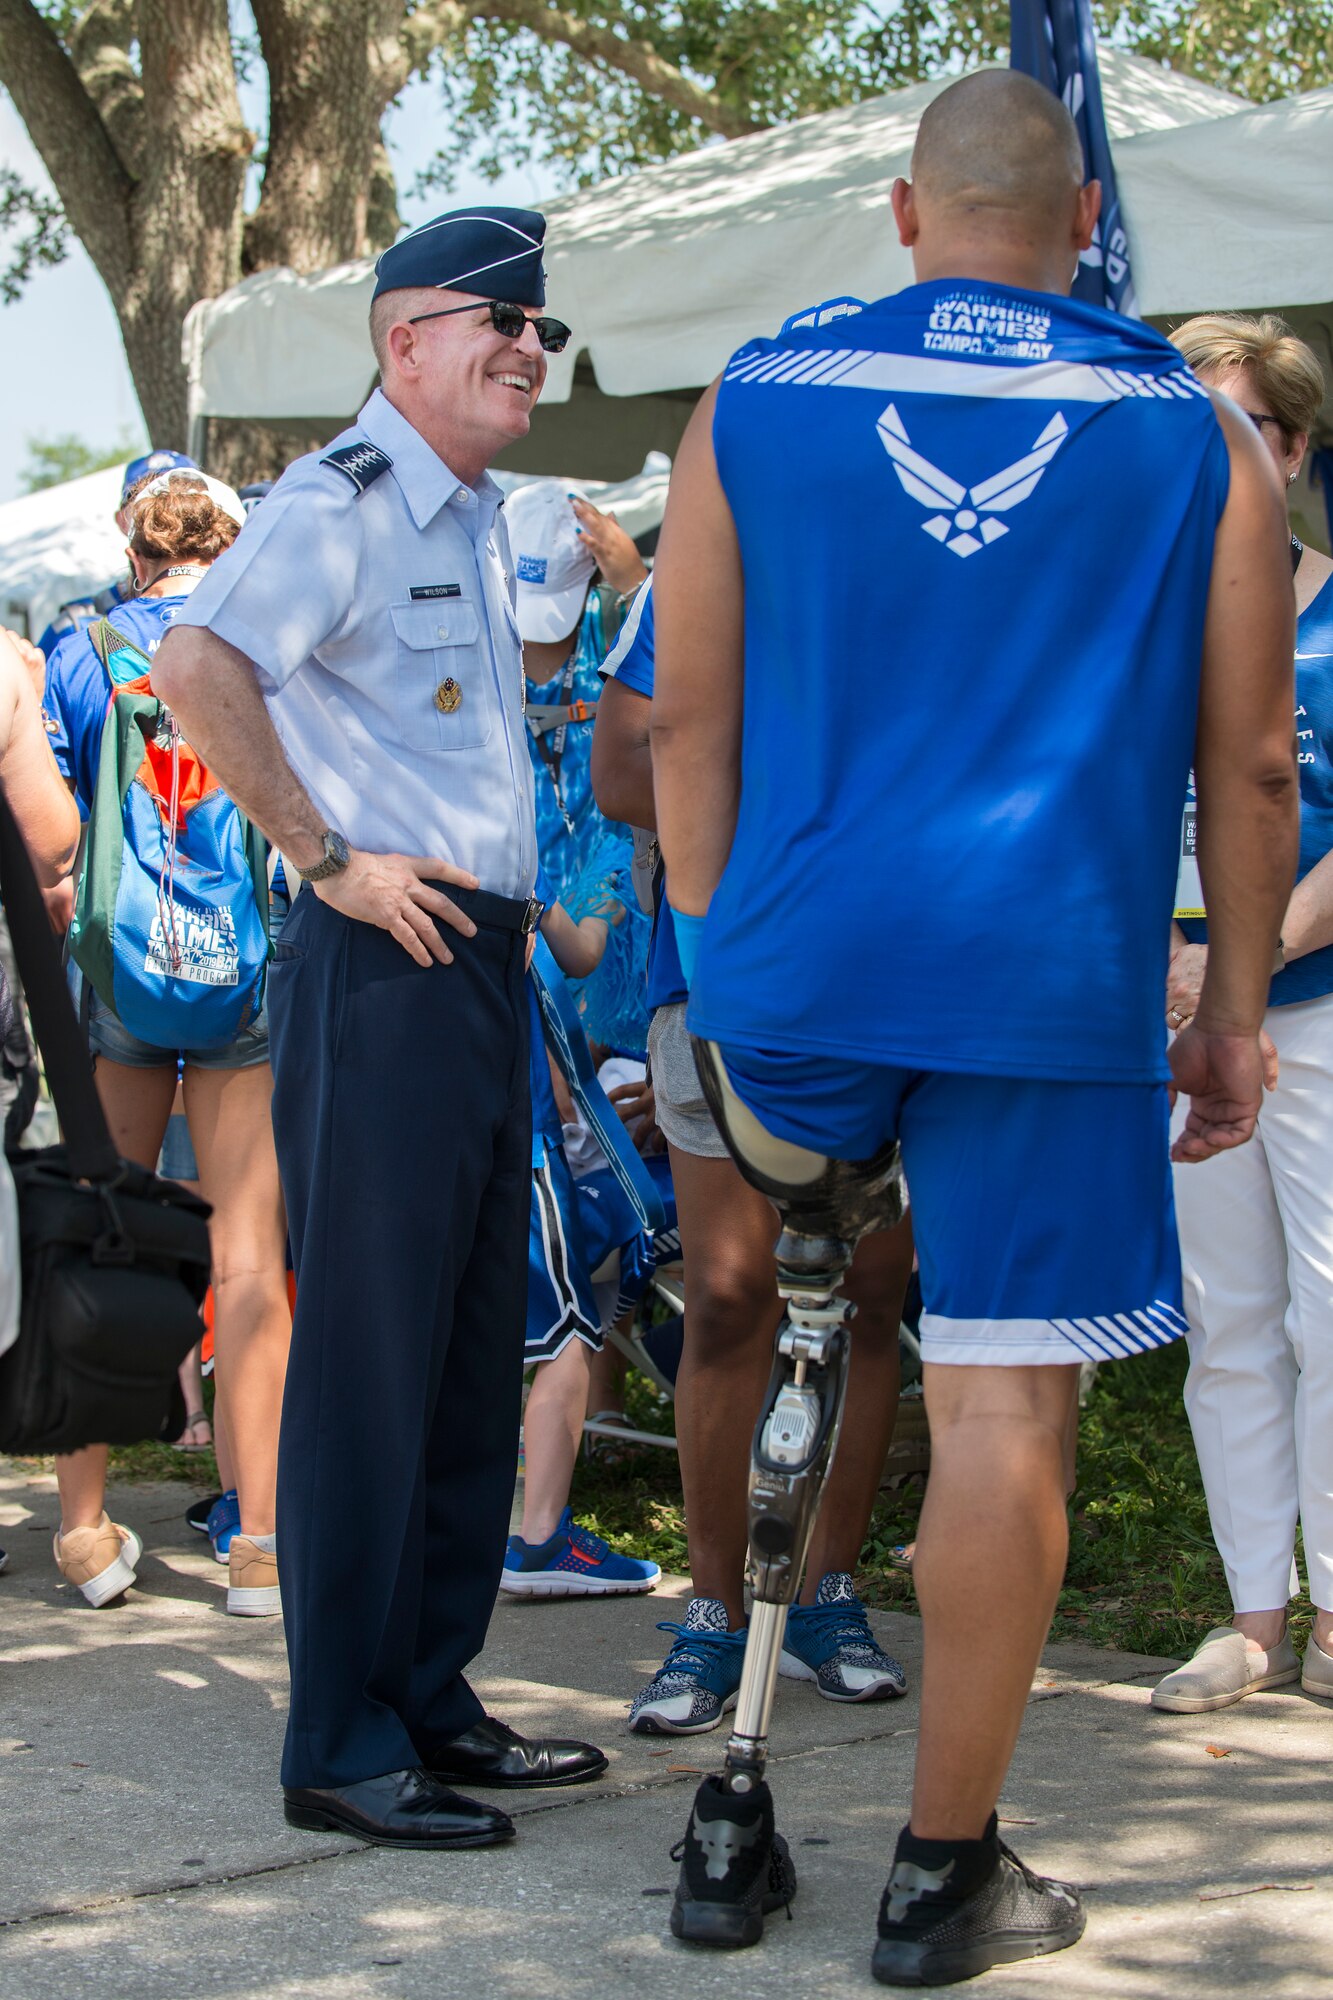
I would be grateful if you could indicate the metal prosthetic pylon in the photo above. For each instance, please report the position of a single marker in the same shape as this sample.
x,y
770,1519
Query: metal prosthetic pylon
x,y
793,1448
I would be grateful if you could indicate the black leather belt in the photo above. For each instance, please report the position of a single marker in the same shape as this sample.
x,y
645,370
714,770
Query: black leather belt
x,y
499,913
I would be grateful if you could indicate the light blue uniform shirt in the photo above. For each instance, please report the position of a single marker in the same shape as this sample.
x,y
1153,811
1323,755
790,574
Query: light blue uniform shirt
x,y
355,608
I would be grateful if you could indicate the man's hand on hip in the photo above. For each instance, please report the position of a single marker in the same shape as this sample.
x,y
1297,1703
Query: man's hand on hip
x,y
391,890
1224,1077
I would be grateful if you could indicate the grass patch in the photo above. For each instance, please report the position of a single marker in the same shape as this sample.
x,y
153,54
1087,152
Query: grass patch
x,y
1143,1573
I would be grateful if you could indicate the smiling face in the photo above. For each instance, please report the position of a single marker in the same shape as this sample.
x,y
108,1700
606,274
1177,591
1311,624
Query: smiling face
x,y
469,390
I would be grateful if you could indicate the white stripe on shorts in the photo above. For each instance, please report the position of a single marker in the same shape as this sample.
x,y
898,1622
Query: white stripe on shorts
x,y
1046,1343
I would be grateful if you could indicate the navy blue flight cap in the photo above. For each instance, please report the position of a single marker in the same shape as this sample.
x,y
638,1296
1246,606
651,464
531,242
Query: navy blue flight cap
x,y
494,252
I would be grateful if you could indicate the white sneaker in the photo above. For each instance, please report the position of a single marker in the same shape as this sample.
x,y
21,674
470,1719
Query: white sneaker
x,y
1317,1670
1223,1671
252,1580
101,1560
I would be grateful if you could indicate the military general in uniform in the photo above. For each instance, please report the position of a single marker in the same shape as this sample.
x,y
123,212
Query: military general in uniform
x,y
351,669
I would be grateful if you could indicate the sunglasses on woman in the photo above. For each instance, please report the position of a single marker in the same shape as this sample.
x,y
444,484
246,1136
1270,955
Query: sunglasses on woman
x,y
509,321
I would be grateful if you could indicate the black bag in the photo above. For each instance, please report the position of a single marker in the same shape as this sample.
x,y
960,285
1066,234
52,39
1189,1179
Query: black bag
x,y
115,1261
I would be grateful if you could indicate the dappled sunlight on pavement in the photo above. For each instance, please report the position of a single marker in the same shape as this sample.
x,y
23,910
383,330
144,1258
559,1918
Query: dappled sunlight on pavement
x,y
147,1856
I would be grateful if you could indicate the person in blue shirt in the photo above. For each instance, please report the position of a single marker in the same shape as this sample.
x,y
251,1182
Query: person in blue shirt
x,y
567,618
731,1309
552,1554
180,524
352,671
946,597
81,612
1256,1223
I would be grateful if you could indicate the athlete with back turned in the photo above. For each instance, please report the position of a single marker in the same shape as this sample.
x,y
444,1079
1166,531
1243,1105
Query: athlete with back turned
x,y
946,601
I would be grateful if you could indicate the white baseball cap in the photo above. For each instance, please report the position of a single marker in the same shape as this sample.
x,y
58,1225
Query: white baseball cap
x,y
553,563
223,497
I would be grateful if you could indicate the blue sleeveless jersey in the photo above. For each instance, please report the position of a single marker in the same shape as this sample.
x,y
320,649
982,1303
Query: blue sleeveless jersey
x,y
976,527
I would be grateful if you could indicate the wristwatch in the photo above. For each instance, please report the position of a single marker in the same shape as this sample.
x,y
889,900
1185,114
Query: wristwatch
x,y
337,854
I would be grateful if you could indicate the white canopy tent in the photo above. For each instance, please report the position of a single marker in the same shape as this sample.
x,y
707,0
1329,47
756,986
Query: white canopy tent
x,y
664,272
63,541
56,544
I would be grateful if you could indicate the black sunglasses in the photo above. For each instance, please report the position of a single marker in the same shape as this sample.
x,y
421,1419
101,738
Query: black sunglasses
x,y
552,334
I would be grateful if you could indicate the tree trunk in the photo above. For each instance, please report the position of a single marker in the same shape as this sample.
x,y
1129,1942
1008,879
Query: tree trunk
x,y
185,213
323,183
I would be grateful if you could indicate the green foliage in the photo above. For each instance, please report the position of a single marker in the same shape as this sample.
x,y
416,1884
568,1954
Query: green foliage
x,y
510,98
51,461
1257,48
1143,1573
42,236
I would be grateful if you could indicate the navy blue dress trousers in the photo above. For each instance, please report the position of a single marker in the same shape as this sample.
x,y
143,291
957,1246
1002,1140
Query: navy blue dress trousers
x,y
403,1126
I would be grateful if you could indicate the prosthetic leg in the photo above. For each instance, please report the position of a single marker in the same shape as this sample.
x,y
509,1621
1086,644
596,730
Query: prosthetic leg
x,y
734,1867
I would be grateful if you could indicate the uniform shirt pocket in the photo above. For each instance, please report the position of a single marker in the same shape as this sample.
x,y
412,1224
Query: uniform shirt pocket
x,y
443,675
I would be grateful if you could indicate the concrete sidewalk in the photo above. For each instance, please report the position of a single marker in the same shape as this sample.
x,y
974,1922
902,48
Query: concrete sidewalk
x,y
145,1852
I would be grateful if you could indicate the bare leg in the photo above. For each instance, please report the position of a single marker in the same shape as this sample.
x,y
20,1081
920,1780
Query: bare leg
x,y
81,1477
728,1230
990,1559
877,1283
231,1129
222,1450
137,1103
192,1389
606,1381
552,1431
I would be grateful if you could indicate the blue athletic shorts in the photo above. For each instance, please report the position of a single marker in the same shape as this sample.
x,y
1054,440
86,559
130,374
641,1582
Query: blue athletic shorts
x,y
1043,1213
561,1306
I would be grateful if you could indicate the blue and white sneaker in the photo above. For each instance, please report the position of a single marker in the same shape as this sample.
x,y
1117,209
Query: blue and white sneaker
x,y
699,1679
224,1521
573,1563
830,1642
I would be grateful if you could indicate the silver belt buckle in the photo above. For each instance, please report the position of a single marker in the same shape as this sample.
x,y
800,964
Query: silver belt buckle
x,y
532,915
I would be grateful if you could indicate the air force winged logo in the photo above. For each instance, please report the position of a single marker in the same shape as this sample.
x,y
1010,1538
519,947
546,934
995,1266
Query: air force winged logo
x,y
963,518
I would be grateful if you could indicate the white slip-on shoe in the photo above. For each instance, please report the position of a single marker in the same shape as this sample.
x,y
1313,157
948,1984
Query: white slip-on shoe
x,y
1317,1670
1224,1670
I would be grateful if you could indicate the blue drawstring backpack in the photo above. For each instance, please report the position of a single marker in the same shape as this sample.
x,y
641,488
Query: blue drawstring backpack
x,y
170,921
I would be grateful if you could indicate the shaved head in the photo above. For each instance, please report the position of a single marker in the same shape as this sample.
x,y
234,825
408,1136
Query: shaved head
x,y
999,141
997,186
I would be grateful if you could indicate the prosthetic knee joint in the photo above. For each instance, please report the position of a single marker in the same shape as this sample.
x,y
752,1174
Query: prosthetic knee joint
x,y
825,1207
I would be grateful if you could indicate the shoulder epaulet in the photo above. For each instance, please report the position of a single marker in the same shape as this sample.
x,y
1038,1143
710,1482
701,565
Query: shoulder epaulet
x,y
362,463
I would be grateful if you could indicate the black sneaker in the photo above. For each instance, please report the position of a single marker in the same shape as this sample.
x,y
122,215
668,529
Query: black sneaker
x,y
734,1868
928,1939
197,1516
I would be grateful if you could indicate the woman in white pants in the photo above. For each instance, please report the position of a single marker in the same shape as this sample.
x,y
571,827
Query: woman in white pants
x,y
1256,1223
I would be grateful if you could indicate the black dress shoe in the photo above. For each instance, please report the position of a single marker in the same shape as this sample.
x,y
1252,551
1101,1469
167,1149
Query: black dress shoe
x,y
400,1809
490,1753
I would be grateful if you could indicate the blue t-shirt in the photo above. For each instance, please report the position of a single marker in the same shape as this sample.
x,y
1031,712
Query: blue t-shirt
x,y
78,694
81,612
1309,977
630,661
976,527
570,828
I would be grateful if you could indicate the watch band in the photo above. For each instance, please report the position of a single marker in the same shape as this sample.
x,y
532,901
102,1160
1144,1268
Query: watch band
x,y
335,859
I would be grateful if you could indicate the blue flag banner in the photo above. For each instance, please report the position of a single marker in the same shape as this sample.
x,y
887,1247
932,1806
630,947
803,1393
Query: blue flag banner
x,y
1055,41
